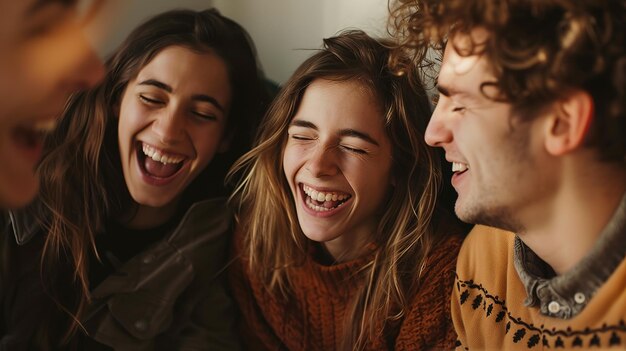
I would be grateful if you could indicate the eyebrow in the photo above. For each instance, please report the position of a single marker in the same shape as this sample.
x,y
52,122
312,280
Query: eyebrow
x,y
196,97
39,4
344,132
450,91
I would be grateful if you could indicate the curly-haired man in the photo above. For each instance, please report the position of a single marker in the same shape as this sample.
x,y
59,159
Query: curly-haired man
x,y
532,117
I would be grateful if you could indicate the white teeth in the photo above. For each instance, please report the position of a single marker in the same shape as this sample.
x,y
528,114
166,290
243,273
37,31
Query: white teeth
x,y
322,196
314,207
459,167
160,156
45,126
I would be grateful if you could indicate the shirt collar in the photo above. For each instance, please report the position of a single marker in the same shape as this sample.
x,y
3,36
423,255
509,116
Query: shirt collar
x,y
565,296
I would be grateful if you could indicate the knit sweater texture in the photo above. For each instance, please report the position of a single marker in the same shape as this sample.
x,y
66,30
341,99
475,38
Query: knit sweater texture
x,y
314,318
488,304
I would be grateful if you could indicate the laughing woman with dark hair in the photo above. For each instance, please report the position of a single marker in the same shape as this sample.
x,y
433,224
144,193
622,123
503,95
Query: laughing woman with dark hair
x,y
134,229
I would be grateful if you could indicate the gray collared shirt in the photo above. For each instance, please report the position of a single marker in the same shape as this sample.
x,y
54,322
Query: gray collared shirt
x,y
565,296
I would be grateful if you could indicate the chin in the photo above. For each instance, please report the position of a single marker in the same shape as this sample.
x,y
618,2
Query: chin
x,y
494,216
14,197
318,235
150,200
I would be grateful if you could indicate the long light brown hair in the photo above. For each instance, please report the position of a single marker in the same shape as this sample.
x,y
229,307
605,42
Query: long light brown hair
x,y
539,51
82,181
273,240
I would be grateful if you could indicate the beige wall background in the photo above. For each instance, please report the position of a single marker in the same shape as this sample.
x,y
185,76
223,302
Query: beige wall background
x,y
284,31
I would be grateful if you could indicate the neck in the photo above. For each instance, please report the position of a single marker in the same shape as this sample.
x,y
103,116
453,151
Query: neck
x,y
352,245
151,217
563,229
343,253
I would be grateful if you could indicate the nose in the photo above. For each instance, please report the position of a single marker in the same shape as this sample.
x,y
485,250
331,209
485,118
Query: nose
x,y
78,65
322,162
168,125
89,71
438,132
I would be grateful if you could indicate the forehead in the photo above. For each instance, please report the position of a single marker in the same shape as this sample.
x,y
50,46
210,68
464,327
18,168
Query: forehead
x,y
18,16
185,66
21,13
463,72
342,109
340,101
188,73
24,10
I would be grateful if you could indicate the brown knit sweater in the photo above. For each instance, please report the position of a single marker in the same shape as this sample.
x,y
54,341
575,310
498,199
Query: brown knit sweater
x,y
314,320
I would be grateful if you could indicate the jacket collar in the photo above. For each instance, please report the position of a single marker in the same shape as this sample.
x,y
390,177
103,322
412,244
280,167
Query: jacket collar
x,y
23,227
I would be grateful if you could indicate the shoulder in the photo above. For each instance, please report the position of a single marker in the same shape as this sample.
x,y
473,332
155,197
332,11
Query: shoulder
x,y
443,255
437,276
20,224
204,232
208,219
485,249
427,323
209,213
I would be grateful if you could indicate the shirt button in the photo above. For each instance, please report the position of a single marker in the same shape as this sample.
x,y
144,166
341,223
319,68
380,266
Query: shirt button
x,y
554,307
148,259
141,325
579,298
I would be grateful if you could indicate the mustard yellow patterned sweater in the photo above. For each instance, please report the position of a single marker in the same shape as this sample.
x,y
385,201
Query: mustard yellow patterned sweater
x,y
488,308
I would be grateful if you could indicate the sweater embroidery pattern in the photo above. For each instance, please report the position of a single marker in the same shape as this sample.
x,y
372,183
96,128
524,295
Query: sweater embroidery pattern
x,y
476,298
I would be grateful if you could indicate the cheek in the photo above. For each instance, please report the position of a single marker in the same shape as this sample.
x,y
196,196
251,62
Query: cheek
x,y
21,91
373,176
292,158
130,118
206,143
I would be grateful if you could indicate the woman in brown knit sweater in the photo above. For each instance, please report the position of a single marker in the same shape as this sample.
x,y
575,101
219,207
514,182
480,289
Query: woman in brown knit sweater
x,y
340,242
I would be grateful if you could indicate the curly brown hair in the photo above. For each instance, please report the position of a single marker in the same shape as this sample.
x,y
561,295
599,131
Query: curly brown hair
x,y
539,50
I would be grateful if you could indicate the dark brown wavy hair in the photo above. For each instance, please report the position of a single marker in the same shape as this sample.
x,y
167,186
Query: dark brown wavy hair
x,y
540,51
273,240
82,181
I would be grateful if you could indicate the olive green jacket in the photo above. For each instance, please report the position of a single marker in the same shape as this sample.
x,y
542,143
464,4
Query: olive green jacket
x,y
172,295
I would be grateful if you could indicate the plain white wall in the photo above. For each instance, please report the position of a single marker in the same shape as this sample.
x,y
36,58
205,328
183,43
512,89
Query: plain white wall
x,y
122,16
284,31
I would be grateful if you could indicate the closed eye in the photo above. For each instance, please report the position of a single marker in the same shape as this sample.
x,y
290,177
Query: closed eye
x,y
150,101
458,109
205,116
300,137
351,149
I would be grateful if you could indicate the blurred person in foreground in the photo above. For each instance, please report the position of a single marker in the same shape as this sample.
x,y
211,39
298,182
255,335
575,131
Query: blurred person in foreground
x,y
44,57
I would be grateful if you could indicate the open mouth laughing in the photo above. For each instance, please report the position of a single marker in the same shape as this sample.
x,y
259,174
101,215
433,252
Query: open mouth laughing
x,y
323,201
158,164
29,138
459,168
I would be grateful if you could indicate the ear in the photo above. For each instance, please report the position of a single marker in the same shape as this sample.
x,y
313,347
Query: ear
x,y
569,123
